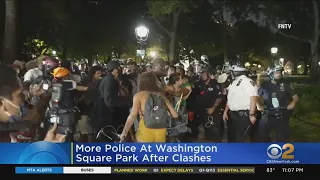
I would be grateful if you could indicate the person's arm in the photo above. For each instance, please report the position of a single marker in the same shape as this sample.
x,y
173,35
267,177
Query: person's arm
x,y
226,109
171,109
260,100
252,91
27,80
81,88
295,98
133,115
190,91
218,100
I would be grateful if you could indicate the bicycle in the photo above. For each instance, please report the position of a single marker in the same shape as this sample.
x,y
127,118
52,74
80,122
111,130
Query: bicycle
x,y
111,133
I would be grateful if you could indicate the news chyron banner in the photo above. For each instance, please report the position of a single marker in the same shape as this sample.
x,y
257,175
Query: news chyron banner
x,y
159,153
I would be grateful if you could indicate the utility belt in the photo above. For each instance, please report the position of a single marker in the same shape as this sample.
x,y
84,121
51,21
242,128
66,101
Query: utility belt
x,y
273,113
240,112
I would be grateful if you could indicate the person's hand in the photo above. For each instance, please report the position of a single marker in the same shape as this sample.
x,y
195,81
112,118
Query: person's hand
x,y
52,136
253,119
210,111
123,137
225,117
36,90
291,106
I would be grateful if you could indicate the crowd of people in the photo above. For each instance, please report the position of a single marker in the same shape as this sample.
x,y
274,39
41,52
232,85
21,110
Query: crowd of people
x,y
156,102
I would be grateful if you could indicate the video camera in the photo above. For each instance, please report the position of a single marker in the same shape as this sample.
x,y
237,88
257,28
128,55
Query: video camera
x,y
62,109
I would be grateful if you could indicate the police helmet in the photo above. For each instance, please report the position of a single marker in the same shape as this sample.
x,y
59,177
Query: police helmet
x,y
179,65
204,58
226,67
238,68
274,68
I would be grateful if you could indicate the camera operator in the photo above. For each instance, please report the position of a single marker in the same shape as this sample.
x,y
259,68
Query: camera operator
x,y
12,110
45,66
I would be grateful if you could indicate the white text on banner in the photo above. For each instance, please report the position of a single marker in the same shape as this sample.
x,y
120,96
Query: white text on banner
x,y
86,170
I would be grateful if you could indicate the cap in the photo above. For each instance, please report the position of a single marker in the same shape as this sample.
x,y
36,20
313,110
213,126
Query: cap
x,y
60,72
113,65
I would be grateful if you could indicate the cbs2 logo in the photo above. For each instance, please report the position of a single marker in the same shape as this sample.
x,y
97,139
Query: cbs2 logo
x,y
275,151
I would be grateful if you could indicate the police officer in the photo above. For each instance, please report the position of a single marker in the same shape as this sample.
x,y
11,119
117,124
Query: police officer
x,y
278,98
241,101
207,94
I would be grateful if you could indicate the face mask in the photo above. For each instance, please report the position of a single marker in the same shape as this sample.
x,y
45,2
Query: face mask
x,y
23,110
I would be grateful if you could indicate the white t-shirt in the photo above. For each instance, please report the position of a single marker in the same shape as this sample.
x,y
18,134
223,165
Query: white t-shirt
x,y
32,75
240,92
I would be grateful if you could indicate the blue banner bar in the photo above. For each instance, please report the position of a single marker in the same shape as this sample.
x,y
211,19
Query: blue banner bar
x,y
159,153
39,170
197,153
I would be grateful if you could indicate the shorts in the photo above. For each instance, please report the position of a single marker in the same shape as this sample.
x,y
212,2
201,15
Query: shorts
x,y
83,126
147,135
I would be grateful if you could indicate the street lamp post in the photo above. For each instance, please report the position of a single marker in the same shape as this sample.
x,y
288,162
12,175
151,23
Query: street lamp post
x,y
142,35
274,51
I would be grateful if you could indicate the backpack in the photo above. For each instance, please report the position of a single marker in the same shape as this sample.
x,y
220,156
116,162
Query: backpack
x,y
155,112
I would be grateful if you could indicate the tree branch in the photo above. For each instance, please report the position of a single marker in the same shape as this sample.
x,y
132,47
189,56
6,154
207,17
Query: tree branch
x,y
288,35
162,27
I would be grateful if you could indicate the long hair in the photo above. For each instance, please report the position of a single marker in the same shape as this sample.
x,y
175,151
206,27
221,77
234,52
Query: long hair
x,y
173,78
92,72
148,82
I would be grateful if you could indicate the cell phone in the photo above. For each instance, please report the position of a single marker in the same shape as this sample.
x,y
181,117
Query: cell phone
x,y
61,130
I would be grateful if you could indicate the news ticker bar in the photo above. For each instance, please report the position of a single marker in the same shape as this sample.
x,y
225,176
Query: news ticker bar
x,y
134,170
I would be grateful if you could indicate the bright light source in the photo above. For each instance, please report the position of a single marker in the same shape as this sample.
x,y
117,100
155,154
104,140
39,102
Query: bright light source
x,y
259,66
142,31
319,63
142,57
254,64
54,52
274,50
153,54
247,64
299,66
281,60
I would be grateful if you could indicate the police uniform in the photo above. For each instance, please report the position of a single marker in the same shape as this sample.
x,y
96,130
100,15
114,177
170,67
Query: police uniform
x,y
277,97
205,97
239,93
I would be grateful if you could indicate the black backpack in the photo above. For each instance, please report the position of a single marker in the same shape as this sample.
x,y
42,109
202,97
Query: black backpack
x,y
155,112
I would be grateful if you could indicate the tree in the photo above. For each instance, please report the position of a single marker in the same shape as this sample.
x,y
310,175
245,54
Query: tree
x,y
9,42
166,14
227,14
299,15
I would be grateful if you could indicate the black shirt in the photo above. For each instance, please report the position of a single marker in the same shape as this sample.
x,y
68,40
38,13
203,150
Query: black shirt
x,y
206,95
283,91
